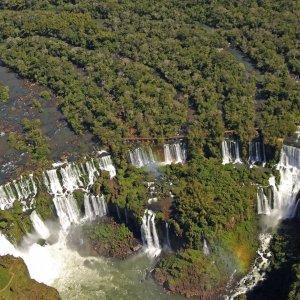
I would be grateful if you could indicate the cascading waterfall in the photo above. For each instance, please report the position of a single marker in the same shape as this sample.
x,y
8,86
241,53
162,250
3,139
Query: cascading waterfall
x,y
61,183
71,175
289,186
7,197
93,173
89,213
231,152
294,215
267,198
258,271
50,263
263,202
105,164
52,182
64,201
23,190
67,210
279,204
168,236
257,153
99,205
42,265
39,226
174,153
205,247
149,234
142,157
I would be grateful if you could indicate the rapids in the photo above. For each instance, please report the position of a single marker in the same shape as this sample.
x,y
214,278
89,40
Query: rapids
x,y
276,203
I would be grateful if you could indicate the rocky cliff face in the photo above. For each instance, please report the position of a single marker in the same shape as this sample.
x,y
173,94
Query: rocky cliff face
x,y
15,282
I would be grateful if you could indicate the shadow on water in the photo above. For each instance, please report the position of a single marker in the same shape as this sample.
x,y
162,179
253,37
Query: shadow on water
x,y
64,143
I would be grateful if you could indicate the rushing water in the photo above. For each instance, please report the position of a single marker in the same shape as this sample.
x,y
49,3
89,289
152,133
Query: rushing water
x,y
60,182
257,153
149,234
281,202
77,277
276,203
258,270
143,157
205,247
55,263
231,152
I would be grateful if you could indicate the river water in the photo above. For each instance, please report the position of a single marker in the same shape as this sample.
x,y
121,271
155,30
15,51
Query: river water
x,y
62,140
78,277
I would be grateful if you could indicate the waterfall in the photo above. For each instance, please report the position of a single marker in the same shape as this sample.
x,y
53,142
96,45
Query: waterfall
x,y
67,210
282,202
267,198
61,182
231,152
65,204
168,236
39,226
294,215
149,234
71,177
89,214
174,153
52,182
23,190
258,271
118,212
263,202
105,163
205,247
7,197
44,263
99,205
289,186
92,172
94,206
142,157
257,153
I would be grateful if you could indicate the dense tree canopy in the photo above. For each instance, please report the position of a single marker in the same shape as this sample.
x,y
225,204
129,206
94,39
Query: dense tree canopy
x,y
156,70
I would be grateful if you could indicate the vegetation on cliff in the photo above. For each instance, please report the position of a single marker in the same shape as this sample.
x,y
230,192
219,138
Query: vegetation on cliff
x,y
215,203
109,239
283,275
190,273
15,223
15,282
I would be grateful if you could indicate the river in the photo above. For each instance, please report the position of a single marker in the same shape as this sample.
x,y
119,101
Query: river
x,y
62,140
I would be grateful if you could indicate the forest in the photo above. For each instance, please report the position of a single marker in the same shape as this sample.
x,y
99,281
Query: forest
x,y
147,65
